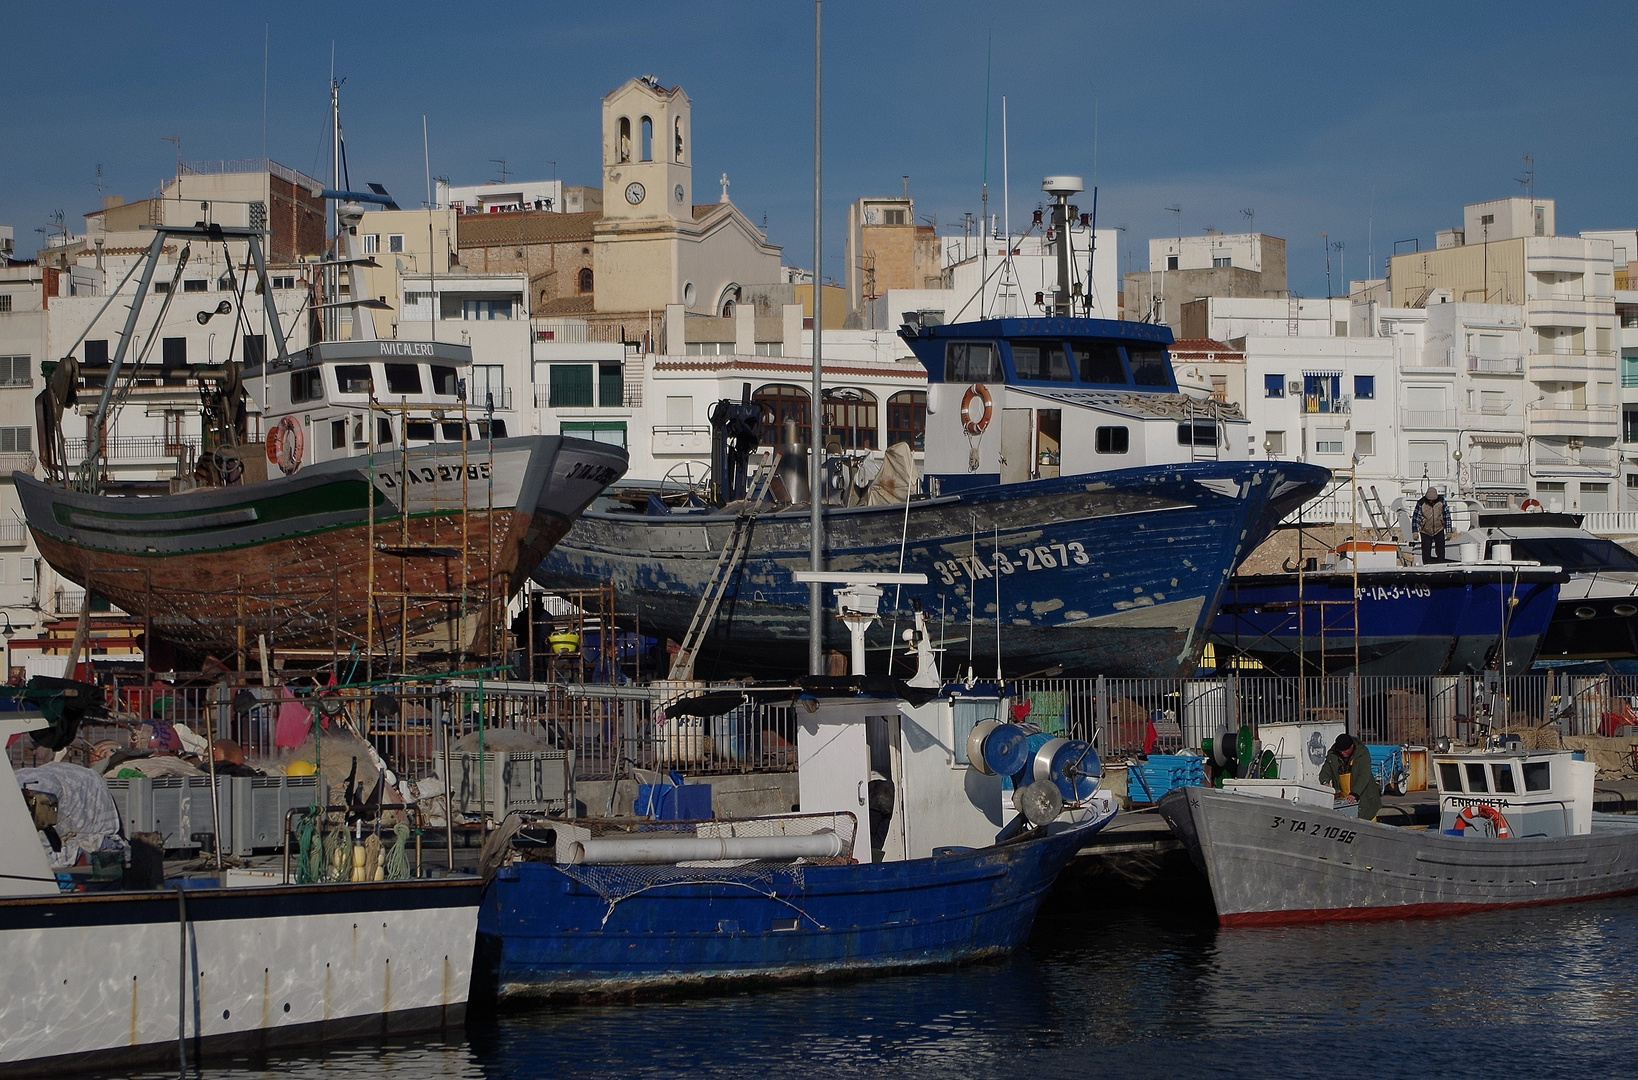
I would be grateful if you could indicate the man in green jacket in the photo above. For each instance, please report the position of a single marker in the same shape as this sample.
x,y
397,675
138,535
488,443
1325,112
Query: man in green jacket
x,y
1348,769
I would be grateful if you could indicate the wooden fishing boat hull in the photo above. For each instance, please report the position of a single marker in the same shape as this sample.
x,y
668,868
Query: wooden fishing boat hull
x,y
1270,862
1116,573
295,557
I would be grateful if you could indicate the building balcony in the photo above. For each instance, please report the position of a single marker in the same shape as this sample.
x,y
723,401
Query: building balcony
x,y
1553,460
1569,366
690,439
10,463
13,534
1569,310
1428,419
1495,365
1415,365
1589,421
1497,475
1313,405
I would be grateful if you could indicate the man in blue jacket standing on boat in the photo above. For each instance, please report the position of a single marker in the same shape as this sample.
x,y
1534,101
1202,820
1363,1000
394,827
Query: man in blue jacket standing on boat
x,y
1348,769
1430,521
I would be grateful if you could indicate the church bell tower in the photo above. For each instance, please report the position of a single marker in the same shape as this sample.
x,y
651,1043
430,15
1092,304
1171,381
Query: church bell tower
x,y
647,153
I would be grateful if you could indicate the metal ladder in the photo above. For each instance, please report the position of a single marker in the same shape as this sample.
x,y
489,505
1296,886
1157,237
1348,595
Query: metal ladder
x,y
1381,523
716,587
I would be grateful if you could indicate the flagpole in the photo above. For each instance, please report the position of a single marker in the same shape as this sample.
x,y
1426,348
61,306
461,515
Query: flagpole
x,y
816,519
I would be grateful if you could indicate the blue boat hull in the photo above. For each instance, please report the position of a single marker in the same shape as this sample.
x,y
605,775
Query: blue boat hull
x,y
1410,623
544,933
1115,573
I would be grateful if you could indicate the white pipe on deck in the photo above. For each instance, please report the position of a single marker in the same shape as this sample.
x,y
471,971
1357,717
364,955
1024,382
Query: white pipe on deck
x,y
653,848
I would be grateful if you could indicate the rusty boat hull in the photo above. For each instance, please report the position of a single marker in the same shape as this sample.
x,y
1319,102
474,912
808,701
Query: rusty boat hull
x,y
297,558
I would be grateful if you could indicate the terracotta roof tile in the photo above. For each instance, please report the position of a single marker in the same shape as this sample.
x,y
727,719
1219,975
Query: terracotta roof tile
x,y
527,227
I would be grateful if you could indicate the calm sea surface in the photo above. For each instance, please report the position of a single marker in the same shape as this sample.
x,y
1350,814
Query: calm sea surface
x,y
1122,995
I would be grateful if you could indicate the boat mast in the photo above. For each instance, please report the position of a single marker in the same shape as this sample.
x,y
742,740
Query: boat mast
x,y
816,515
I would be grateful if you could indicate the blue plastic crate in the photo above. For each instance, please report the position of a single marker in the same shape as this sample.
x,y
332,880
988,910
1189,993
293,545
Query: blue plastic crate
x,y
1147,781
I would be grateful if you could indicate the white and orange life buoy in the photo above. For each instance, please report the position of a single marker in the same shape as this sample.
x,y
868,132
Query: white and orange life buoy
x,y
286,443
1530,505
1498,822
975,425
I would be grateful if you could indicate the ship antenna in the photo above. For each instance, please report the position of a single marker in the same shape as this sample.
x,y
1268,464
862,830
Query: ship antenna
x,y
984,196
816,515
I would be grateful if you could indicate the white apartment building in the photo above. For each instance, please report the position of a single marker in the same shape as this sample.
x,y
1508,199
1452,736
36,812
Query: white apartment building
x,y
499,197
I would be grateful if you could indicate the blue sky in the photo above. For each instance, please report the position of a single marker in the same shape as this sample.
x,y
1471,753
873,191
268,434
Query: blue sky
x,y
1370,122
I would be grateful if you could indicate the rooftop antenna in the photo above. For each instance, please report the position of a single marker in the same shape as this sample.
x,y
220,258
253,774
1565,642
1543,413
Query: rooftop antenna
x,y
176,141
1250,214
99,178
1178,210
1325,241
1529,177
502,163
906,180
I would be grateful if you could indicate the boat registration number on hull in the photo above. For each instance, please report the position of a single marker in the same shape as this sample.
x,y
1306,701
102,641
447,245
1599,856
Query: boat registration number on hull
x,y
1314,830
1026,559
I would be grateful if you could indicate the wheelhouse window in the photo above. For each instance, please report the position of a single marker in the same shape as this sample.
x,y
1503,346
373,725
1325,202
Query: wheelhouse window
x,y
1197,433
452,430
1450,776
420,430
1538,776
1113,440
445,382
1476,780
1099,362
1503,775
907,419
403,379
354,379
306,385
1149,365
1041,361
491,429
972,362
338,434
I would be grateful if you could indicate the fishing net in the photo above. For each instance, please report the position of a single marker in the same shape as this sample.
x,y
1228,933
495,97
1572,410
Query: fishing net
x,y
783,882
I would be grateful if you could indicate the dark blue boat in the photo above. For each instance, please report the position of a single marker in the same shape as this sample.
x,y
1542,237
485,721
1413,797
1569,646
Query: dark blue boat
x,y
952,866
1076,504
1442,619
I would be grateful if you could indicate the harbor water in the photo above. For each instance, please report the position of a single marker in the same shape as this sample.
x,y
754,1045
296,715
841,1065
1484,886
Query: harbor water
x,y
1125,994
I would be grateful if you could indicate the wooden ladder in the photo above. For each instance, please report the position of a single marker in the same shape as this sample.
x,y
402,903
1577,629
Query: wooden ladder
x,y
716,587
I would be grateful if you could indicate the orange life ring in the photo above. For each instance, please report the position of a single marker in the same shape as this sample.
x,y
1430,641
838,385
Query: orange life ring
x,y
978,392
286,444
1498,823
1529,504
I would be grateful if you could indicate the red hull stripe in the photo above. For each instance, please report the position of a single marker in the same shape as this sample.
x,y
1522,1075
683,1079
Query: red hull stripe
x,y
1398,911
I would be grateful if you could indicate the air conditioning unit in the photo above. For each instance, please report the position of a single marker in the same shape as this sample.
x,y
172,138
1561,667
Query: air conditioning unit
x,y
1294,386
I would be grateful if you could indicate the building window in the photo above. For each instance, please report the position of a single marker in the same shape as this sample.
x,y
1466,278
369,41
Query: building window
x,y
781,402
162,287
1171,262
418,306
371,243
622,145
96,352
1364,387
489,387
395,242
611,386
16,440
284,281
1274,442
1430,459
648,139
708,348
1112,440
1364,443
1328,441
1218,258
894,217
255,348
174,352
585,279
770,348
481,308
612,432
1629,425
850,418
907,419
571,386
1273,386
14,371
1632,481
1595,498
5,301
677,140
195,285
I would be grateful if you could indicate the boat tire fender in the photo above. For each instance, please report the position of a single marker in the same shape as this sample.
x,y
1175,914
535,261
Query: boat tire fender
x,y
975,425
286,444
1498,821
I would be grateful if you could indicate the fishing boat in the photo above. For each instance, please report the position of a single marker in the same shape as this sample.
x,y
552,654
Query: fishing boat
x,y
928,832
1079,513
1597,613
206,965
1515,828
382,505
1359,611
